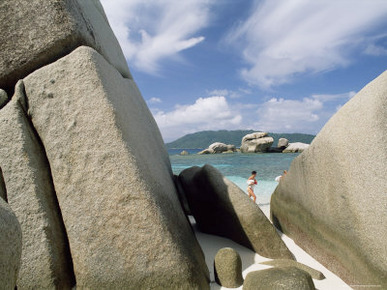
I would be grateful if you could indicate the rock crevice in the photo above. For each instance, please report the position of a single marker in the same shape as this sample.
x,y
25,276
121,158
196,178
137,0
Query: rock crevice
x,y
45,258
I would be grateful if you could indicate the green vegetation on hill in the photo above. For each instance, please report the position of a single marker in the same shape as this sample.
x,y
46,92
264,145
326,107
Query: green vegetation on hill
x,y
205,138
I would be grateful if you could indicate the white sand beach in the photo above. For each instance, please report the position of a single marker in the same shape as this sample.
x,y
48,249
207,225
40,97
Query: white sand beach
x,y
251,261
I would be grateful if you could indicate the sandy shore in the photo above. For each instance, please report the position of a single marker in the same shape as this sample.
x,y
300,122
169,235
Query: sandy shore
x,y
251,261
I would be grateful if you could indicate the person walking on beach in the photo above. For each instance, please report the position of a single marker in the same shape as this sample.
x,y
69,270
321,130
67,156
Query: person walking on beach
x,y
251,182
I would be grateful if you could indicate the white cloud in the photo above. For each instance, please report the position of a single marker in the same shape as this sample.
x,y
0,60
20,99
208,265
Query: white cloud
x,y
282,39
223,92
213,113
283,115
334,97
230,93
151,31
375,50
308,115
154,101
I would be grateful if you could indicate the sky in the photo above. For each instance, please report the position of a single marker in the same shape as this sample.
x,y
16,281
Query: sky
x,y
268,65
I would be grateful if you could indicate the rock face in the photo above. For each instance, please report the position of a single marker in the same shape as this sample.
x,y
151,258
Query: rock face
x,y
112,178
222,208
315,274
295,147
3,98
182,197
84,165
45,261
39,32
221,147
279,278
333,201
256,142
228,268
11,246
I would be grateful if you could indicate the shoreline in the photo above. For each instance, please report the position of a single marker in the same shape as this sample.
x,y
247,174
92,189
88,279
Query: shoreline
x,y
251,261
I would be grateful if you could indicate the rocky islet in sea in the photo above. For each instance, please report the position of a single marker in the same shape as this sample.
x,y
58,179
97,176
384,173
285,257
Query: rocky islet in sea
x,y
258,142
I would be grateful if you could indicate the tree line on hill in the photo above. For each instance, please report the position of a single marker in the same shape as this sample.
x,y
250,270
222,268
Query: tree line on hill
x,y
205,138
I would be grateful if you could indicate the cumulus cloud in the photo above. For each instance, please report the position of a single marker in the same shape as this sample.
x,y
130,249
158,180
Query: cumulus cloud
x,y
151,31
307,115
283,39
212,113
288,115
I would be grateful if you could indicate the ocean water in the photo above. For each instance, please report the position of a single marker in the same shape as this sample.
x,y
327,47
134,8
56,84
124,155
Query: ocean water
x,y
237,167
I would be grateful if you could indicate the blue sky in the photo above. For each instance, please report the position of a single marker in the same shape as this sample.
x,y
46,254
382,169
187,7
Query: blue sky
x,y
269,65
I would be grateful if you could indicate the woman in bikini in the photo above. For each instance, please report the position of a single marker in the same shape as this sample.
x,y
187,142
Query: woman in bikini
x,y
251,182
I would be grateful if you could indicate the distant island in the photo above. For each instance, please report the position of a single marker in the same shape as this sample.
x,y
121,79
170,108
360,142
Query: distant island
x,y
203,139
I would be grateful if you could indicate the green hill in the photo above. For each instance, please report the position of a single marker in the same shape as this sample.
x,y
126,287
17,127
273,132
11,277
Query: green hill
x,y
205,138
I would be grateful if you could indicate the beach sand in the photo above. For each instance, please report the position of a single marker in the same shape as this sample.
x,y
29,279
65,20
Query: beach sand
x,y
251,261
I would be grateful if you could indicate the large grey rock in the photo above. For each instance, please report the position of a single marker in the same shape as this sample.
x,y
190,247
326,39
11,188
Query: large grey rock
x,y
113,178
256,143
219,147
228,268
279,278
35,33
222,208
255,135
333,201
11,246
315,274
45,261
296,147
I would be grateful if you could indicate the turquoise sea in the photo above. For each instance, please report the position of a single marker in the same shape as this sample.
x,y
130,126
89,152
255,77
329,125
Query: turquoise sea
x,y
237,167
